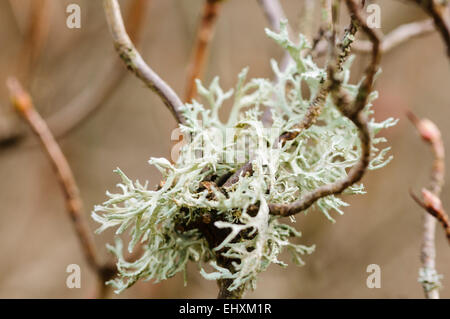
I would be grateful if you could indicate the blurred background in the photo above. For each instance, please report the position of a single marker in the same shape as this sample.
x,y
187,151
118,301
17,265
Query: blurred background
x,y
37,239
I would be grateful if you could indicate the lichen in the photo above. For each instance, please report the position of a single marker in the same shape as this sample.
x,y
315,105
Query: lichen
x,y
173,222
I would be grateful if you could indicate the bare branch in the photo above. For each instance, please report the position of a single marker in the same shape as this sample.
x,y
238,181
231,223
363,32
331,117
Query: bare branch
x,y
274,13
397,36
90,99
432,204
313,111
35,38
23,104
204,36
440,13
353,111
135,63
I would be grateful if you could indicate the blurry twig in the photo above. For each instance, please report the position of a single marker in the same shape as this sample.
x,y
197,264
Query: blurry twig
x,y
275,14
431,203
397,36
70,116
23,104
440,13
135,63
35,37
204,36
93,96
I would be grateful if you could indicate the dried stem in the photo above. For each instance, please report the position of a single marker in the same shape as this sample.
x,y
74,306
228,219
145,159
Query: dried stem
x,y
90,99
136,64
224,293
432,204
35,38
397,36
204,36
274,13
440,13
23,104
353,111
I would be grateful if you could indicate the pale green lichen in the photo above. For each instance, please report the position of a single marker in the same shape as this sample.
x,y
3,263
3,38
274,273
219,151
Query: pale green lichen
x,y
319,155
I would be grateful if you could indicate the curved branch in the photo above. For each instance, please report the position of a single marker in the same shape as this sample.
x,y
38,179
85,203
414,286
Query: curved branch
x,y
274,13
399,35
90,99
204,36
353,111
431,203
135,63
313,111
23,104
440,13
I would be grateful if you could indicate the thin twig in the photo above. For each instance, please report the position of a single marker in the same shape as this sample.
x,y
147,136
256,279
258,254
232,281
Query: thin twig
x,y
90,99
441,17
431,203
399,35
311,114
353,111
136,64
23,104
204,36
274,13
35,38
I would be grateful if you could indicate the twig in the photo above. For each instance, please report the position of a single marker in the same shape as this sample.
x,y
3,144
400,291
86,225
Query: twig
x,y
204,36
135,63
90,99
432,204
441,17
397,36
313,111
274,13
23,104
35,37
353,111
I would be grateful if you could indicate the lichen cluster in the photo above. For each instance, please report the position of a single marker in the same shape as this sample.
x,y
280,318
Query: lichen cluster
x,y
167,220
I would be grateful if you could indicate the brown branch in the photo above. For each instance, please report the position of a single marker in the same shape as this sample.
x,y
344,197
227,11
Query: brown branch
x,y
399,35
90,99
35,38
274,13
204,36
353,111
312,112
431,203
440,13
135,63
22,102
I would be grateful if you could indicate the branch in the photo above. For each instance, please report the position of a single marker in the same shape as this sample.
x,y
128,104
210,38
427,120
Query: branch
x,y
441,17
274,13
35,37
312,112
135,63
431,203
23,104
353,111
90,99
397,36
204,36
